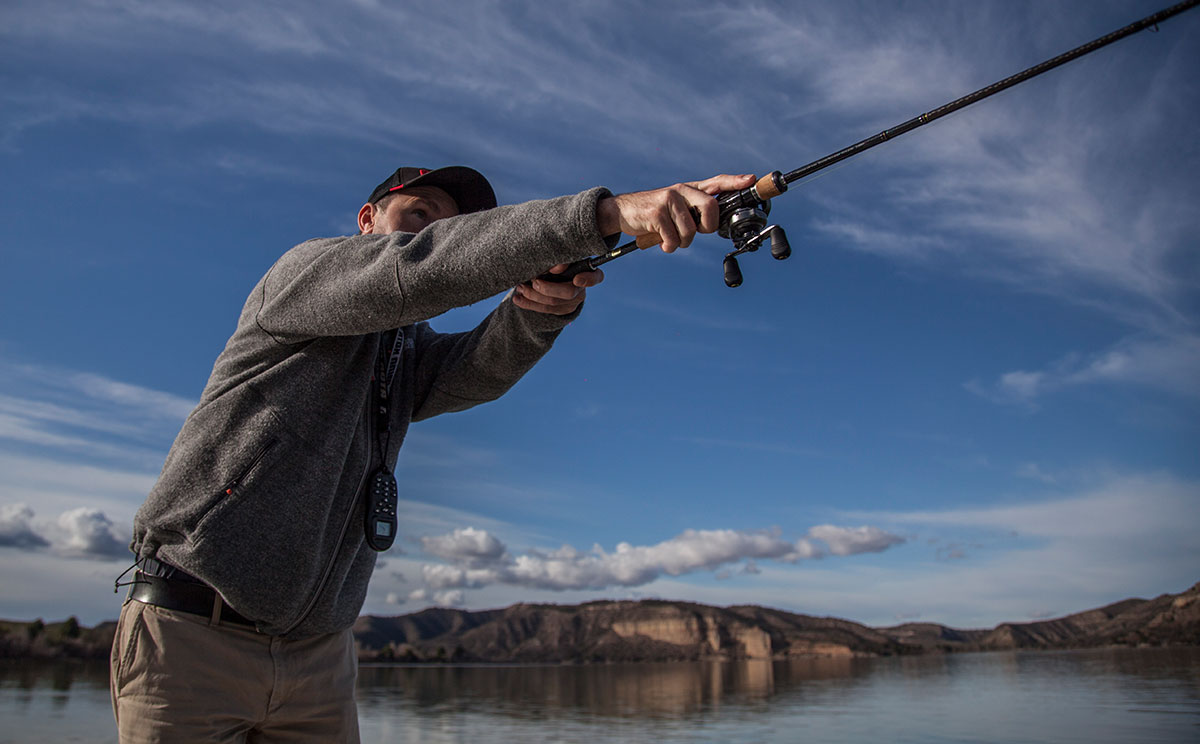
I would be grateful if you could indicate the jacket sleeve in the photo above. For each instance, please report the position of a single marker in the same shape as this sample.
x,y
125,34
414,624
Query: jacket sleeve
x,y
456,371
367,283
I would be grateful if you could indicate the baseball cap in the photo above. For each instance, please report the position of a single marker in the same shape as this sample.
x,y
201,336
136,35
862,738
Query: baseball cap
x,y
466,186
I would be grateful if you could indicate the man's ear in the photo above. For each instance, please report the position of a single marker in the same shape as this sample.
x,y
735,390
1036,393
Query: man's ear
x,y
366,218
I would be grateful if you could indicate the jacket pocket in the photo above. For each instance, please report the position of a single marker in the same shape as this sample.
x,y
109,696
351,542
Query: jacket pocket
x,y
230,489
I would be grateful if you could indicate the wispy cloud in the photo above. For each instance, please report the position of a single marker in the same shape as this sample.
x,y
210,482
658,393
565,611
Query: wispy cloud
x,y
689,317
65,414
1016,189
757,446
1126,536
1171,364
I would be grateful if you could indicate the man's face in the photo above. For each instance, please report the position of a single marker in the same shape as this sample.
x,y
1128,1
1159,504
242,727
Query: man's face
x,y
411,210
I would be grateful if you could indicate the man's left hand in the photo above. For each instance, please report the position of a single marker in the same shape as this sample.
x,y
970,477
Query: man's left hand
x,y
555,298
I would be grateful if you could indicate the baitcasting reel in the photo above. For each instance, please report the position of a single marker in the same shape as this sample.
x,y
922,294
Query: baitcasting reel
x,y
744,221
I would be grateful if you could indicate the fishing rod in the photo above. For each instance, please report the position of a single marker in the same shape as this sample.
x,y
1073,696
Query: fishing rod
x,y
743,214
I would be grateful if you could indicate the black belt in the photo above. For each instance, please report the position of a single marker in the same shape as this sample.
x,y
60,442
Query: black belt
x,y
184,596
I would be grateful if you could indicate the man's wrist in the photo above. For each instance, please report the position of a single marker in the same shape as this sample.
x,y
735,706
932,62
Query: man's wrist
x,y
608,216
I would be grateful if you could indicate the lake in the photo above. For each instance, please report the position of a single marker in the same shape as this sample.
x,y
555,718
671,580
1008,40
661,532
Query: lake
x,y
1106,695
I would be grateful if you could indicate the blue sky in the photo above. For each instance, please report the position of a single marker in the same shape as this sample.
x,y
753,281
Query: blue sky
x,y
969,397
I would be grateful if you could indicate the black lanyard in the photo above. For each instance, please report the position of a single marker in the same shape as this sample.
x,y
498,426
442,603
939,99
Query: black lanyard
x,y
386,367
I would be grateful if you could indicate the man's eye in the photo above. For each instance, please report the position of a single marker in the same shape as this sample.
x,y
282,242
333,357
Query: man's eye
x,y
420,214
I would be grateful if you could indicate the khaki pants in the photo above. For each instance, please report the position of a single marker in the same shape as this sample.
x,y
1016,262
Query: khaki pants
x,y
175,678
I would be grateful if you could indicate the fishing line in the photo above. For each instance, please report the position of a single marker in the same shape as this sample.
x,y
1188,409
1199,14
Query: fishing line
x,y
743,214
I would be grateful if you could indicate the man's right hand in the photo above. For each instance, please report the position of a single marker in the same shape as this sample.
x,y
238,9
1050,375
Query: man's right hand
x,y
664,212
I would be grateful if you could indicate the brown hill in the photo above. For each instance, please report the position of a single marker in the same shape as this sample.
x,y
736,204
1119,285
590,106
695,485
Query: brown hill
x,y
1170,619
650,630
657,630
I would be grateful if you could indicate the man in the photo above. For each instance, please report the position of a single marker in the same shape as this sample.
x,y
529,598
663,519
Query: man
x,y
256,544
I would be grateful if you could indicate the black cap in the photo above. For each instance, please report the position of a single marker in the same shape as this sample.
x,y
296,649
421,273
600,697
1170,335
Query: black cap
x,y
466,186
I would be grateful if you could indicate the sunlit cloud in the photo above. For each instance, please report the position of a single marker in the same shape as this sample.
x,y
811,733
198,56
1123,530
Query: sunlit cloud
x,y
87,533
82,532
477,559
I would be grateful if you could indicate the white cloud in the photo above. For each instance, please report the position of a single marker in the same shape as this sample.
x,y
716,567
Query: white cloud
x,y
87,533
449,598
469,546
445,598
483,560
854,540
16,528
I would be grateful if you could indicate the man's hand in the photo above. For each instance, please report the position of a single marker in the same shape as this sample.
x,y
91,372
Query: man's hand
x,y
554,298
664,212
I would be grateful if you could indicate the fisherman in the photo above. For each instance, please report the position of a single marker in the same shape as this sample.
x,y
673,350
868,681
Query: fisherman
x,y
256,544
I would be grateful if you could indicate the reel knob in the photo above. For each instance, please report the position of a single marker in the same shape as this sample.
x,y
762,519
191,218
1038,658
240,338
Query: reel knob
x,y
733,272
779,244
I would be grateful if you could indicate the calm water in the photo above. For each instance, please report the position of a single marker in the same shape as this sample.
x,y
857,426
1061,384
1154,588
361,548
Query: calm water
x,y
1117,695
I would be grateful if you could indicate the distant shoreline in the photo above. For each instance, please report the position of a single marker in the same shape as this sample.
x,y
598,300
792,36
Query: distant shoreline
x,y
660,630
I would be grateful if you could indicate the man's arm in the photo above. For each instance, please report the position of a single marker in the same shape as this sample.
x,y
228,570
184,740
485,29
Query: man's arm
x,y
368,283
664,212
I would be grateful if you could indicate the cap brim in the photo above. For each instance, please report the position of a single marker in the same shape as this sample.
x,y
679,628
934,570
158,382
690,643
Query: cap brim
x,y
466,186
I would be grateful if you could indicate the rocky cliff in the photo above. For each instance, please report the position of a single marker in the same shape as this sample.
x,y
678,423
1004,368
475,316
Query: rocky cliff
x,y
655,630
615,631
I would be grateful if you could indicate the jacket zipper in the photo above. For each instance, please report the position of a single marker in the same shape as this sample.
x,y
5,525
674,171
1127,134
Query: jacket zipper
x,y
228,489
337,549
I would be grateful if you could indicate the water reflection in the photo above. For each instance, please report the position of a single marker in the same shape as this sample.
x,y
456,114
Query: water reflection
x,y
59,701
1101,697
669,689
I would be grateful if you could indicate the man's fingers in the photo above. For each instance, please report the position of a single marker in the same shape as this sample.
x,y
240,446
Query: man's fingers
x,y
528,297
724,182
664,227
586,279
685,224
582,279
706,207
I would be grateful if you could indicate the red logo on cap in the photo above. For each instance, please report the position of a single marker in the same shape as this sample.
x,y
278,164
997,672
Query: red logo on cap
x,y
420,172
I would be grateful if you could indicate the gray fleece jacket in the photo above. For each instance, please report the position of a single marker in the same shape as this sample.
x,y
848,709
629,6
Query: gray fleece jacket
x,y
260,495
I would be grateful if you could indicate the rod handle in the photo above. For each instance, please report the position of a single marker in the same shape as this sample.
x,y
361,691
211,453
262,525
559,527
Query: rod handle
x,y
770,186
577,267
